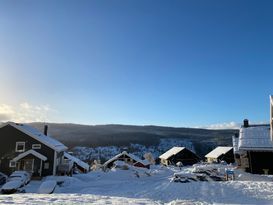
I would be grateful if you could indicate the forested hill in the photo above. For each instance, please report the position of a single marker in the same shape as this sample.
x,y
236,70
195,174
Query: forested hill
x,y
123,135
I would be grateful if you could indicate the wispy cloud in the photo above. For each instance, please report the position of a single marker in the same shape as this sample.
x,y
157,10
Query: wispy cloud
x,y
26,112
228,125
225,125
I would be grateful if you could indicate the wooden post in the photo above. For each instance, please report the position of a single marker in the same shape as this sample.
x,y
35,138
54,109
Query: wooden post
x,y
249,162
271,117
41,165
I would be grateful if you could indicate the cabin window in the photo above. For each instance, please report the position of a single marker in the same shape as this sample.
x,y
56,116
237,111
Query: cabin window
x,y
36,146
12,164
46,166
20,147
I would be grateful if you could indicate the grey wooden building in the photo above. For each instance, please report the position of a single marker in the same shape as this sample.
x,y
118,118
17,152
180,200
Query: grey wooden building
x,y
23,147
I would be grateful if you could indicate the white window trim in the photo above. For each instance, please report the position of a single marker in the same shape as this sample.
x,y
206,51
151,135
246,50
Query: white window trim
x,y
11,163
36,146
20,143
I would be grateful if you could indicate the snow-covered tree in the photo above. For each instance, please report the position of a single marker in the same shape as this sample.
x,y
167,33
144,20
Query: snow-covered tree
x,y
149,157
96,165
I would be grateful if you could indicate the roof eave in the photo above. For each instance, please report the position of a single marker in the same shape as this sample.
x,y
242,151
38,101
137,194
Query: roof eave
x,y
33,136
256,149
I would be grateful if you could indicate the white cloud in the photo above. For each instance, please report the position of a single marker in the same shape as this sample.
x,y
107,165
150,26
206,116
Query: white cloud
x,y
229,125
25,105
3,117
6,109
225,125
26,112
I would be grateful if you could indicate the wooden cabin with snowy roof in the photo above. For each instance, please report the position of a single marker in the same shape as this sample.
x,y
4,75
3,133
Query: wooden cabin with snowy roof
x,y
80,165
179,154
255,149
129,159
25,148
221,153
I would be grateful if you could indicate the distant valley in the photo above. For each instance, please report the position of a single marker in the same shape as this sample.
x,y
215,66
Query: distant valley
x,y
91,142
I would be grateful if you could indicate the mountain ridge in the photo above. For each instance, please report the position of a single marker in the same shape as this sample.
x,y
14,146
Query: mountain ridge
x,y
120,135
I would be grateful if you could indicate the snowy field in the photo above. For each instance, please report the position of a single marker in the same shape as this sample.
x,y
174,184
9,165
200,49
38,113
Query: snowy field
x,y
155,187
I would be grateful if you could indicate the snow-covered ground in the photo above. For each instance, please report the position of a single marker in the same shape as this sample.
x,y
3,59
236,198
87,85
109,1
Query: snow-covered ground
x,y
137,186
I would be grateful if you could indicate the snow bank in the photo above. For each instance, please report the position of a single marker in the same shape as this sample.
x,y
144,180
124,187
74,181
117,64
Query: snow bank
x,y
47,187
123,187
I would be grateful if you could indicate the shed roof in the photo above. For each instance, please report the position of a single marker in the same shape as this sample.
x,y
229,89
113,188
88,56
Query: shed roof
x,y
144,162
77,161
171,152
38,135
218,151
255,138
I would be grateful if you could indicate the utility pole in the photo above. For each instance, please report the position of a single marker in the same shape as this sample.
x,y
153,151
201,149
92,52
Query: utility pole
x,y
271,117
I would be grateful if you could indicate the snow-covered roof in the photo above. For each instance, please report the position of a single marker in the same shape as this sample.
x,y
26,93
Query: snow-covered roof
x,y
144,162
134,157
120,163
36,134
171,152
255,138
218,151
31,151
77,161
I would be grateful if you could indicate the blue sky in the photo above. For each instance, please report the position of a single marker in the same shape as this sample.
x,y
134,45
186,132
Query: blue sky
x,y
175,63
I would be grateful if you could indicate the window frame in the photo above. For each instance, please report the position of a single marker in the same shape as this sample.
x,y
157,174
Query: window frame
x,y
18,144
11,165
38,146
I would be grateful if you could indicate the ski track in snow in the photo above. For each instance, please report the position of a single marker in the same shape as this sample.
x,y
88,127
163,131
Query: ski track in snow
x,y
123,187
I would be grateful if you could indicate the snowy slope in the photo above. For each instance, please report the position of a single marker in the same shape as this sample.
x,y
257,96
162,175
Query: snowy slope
x,y
127,187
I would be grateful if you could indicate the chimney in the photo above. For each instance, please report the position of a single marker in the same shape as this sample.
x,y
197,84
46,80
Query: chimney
x,y
246,123
45,129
